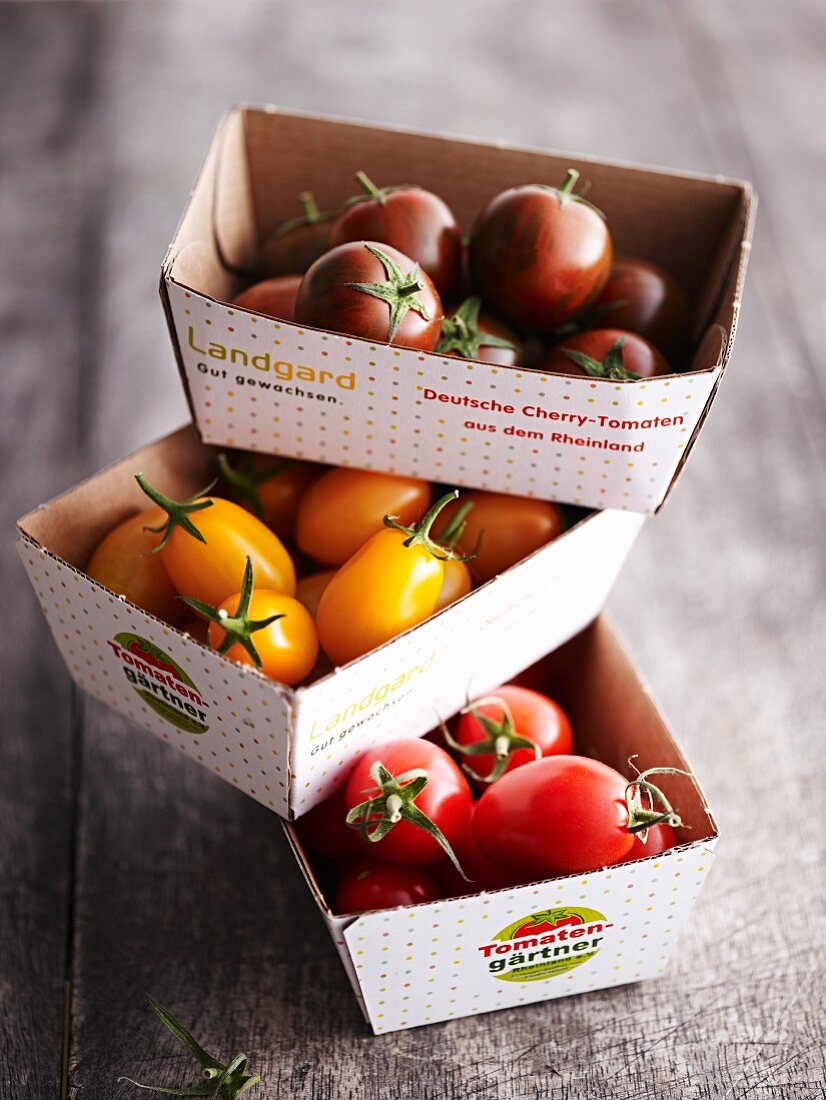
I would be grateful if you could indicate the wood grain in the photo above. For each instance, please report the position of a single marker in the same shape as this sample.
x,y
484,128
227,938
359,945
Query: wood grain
x,y
183,887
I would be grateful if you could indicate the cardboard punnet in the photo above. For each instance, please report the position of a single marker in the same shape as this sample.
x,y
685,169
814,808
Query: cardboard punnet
x,y
288,748
271,386
467,955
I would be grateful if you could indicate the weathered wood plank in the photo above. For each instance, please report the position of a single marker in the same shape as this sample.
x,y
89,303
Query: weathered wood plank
x,y
45,88
184,887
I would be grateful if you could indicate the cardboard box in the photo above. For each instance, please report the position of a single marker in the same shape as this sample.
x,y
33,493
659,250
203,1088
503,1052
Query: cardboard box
x,y
271,386
288,748
435,961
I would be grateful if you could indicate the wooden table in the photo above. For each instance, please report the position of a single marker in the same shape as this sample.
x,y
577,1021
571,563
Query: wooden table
x,y
125,868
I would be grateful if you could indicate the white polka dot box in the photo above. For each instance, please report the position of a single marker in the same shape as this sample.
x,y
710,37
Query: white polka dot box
x,y
290,748
509,947
271,386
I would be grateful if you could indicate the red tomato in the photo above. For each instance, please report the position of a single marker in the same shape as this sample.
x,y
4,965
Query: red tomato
x,y
382,789
505,720
323,829
473,335
503,529
416,222
648,301
561,815
372,291
659,838
606,353
482,872
273,297
540,255
297,243
371,885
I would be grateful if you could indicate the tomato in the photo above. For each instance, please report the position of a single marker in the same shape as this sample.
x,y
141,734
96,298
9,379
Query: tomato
x,y
371,885
272,297
270,488
309,589
344,507
408,802
296,243
482,872
659,838
372,291
648,301
518,726
391,584
266,629
503,530
547,921
606,353
456,583
563,815
205,544
323,829
540,255
122,562
416,222
473,335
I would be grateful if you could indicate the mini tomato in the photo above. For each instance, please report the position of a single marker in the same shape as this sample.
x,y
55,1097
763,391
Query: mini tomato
x,y
511,727
566,815
540,255
371,885
416,222
372,291
206,541
482,873
503,530
606,353
408,802
266,629
123,562
296,243
659,838
457,580
344,507
271,488
309,589
473,335
642,298
272,297
324,829
391,584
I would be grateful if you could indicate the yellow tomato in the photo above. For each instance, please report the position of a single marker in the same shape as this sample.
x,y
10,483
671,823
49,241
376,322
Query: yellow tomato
x,y
309,590
391,584
456,584
343,508
206,543
271,488
122,562
287,647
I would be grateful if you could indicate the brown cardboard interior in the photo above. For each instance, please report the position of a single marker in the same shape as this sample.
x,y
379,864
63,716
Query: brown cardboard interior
x,y
691,225
614,717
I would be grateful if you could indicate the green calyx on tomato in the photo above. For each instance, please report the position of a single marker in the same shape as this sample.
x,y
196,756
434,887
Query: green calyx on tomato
x,y
224,1081
612,366
566,193
419,534
399,290
239,627
641,817
586,320
247,481
501,739
449,538
311,215
373,193
395,802
178,511
461,334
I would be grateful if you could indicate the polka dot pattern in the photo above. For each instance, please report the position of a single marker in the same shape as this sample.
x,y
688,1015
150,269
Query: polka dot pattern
x,y
270,386
423,964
